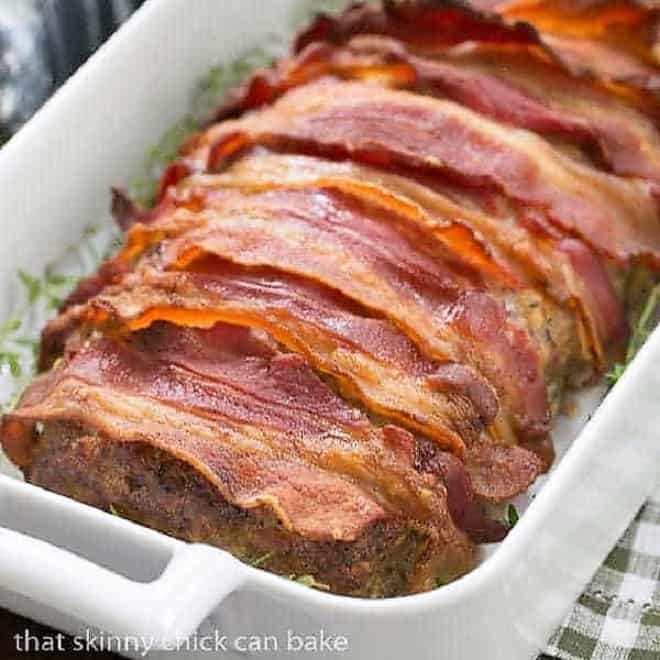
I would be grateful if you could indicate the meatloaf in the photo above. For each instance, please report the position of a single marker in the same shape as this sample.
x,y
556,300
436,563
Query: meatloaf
x,y
336,342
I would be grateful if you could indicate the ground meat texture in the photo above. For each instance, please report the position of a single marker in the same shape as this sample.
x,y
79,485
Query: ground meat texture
x,y
148,486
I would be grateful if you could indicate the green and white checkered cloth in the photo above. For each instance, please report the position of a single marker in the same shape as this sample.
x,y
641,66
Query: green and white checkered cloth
x,y
618,615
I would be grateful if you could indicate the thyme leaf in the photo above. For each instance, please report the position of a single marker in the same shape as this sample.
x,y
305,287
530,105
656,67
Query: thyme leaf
x,y
13,361
512,516
640,333
143,186
259,561
19,342
211,88
309,581
50,286
32,285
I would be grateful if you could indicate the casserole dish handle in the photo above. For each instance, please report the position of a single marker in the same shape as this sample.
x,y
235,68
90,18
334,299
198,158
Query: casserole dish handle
x,y
162,613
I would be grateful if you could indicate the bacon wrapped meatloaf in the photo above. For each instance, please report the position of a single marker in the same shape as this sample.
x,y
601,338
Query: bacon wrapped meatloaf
x,y
341,333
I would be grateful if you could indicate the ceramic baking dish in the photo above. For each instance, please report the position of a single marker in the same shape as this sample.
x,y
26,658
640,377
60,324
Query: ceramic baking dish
x,y
75,567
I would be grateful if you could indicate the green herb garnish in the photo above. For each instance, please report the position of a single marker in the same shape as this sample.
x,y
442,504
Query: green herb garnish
x,y
512,516
32,285
306,10
143,186
309,581
51,286
13,361
19,336
8,355
211,88
640,333
115,511
259,561
9,327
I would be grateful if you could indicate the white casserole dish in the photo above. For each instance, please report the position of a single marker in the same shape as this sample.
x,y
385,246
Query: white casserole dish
x,y
73,567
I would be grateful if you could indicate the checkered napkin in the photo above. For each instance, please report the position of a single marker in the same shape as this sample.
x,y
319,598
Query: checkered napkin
x,y
618,615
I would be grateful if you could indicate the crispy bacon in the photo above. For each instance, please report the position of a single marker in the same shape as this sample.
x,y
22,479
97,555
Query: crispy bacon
x,y
251,298
369,358
589,58
497,472
125,211
308,501
622,129
608,39
357,249
613,41
507,86
456,217
514,255
424,24
389,128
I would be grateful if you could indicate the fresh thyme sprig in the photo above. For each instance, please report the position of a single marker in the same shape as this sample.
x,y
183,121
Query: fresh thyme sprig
x,y
260,561
640,333
309,581
13,337
143,186
210,91
7,356
211,88
38,298
512,516
51,286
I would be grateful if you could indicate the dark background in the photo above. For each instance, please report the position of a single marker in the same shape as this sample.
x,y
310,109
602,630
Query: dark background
x,y
10,625
42,42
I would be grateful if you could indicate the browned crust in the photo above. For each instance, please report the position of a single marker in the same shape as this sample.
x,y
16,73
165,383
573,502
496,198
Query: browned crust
x,y
149,486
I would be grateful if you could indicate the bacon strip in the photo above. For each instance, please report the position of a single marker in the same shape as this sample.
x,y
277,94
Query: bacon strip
x,y
604,40
610,40
589,58
309,502
616,126
304,318
617,217
347,245
226,375
514,256
370,360
424,24
507,86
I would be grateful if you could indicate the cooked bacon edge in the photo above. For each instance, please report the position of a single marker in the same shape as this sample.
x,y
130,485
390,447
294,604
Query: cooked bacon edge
x,y
333,239
617,217
607,39
505,87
